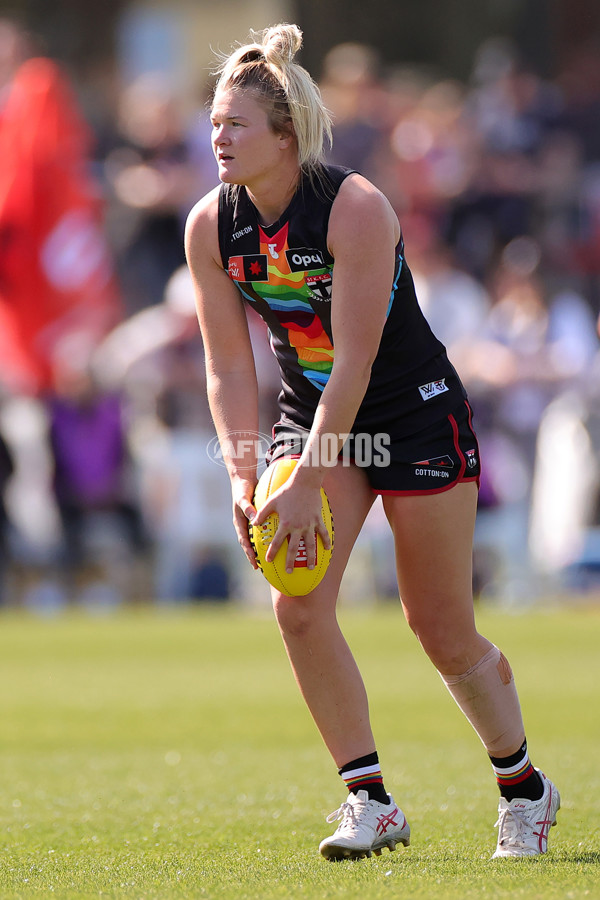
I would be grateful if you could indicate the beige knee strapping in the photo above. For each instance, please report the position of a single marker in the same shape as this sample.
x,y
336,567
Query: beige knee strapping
x,y
487,695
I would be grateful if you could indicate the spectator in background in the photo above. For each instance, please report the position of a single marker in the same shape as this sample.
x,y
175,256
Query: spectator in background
x,y
434,151
353,93
186,493
565,509
153,182
92,480
455,304
511,112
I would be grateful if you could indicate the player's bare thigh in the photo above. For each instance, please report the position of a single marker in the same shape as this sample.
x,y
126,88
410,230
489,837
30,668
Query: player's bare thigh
x,y
433,535
351,498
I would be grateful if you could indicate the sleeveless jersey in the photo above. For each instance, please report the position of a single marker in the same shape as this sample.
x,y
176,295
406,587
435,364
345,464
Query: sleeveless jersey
x,y
285,272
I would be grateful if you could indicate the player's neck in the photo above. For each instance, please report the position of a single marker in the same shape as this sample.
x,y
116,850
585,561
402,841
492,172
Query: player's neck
x,y
271,198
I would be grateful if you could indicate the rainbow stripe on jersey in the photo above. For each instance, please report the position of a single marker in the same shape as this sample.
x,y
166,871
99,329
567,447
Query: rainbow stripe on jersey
x,y
291,282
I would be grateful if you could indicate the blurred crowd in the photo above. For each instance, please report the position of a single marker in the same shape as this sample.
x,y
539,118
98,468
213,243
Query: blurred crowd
x,y
112,486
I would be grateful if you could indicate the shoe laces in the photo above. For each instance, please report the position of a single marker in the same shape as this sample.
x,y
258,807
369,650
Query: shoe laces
x,y
512,825
348,812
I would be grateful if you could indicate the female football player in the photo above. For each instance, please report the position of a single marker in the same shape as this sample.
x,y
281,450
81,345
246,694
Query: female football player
x,y
317,251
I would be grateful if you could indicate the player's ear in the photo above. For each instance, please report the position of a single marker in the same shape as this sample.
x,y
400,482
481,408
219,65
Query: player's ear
x,y
286,138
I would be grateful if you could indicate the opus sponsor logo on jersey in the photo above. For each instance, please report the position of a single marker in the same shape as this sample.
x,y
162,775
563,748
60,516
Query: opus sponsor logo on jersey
x,y
303,259
242,447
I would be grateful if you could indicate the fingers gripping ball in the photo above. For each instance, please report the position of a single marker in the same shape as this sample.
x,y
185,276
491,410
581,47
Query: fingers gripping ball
x,y
301,580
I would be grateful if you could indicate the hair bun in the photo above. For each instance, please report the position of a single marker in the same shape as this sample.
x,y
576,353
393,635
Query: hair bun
x,y
281,43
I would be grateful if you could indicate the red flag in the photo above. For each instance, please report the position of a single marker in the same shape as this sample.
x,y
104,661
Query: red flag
x,y
56,276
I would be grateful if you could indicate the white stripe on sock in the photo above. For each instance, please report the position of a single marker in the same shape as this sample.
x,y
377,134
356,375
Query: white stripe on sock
x,y
363,770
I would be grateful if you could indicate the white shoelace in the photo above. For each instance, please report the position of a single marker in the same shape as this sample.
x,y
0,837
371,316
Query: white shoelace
x,y
346,811
510,826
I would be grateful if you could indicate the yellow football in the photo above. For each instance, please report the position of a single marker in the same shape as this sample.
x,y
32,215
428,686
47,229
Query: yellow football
x,y
301,580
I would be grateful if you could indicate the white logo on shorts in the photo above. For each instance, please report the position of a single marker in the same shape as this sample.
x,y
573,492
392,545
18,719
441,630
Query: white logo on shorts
x,y
432,389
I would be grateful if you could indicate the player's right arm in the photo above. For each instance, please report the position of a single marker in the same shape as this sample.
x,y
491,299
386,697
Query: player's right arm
x,y
230,371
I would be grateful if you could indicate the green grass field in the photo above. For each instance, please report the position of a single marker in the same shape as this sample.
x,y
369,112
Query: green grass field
x,y
168,755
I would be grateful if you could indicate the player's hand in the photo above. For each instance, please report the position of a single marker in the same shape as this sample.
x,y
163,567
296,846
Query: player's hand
x,y
300,519
243,511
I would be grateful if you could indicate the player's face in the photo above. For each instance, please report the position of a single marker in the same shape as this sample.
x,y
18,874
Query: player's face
x,y
245,146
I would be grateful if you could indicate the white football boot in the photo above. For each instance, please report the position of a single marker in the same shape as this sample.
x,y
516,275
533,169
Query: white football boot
x,y
523,825
366,827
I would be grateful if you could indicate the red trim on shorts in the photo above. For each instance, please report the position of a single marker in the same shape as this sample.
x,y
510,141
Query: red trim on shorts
x,y
460,479
461,455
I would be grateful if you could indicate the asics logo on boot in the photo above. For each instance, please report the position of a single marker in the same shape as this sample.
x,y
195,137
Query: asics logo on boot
x,y
383,822
545,823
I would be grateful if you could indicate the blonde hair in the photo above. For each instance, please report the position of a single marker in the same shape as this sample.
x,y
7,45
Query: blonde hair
x,y
293,100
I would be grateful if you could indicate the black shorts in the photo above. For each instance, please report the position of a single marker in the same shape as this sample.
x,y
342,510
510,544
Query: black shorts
x,y
432,460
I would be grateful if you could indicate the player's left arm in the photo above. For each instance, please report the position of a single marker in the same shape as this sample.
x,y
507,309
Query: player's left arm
x,y
363,233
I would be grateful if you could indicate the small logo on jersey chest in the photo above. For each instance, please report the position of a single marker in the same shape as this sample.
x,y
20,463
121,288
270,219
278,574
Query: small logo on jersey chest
x,y
303,259
252,267
238,234
320,287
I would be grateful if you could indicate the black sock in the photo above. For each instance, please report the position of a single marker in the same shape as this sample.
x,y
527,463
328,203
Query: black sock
x,y
364,774
516,776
